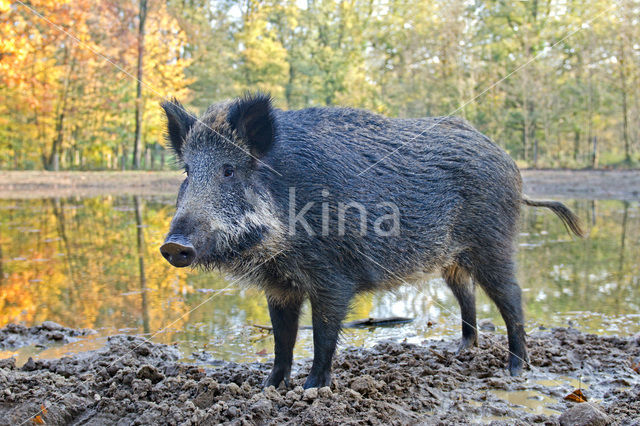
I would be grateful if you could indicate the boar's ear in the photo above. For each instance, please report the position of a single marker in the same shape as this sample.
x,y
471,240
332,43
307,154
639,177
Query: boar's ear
x,y
252,118
179,121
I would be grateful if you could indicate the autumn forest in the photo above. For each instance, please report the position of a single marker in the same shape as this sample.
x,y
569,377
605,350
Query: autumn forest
x,y
557,83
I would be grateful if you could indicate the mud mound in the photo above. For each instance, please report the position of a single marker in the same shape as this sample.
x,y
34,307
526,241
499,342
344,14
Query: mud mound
x,y
43,335
133,381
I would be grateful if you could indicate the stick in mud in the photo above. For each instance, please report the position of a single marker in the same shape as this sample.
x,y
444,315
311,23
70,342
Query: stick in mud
x,y
361,323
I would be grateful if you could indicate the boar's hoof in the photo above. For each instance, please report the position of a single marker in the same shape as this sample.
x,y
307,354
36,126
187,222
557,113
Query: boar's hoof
x,y
317,381
276,377
516,365
466,343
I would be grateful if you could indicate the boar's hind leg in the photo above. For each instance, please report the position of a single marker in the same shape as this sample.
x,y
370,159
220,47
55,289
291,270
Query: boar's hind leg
x,y
284,319
463,288
328,309
499,282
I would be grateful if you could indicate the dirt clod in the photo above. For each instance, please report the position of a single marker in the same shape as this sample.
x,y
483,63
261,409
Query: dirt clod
x,y
584,414
310,394
325,392
365,385
151,373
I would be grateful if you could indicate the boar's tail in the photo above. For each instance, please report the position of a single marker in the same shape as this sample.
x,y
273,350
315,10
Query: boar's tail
x,y
571,221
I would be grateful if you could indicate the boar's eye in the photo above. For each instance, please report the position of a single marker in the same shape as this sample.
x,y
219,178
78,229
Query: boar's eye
x,y
227,171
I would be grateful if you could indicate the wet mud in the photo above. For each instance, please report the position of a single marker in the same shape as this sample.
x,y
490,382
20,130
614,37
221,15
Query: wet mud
x,y
133,381
43,335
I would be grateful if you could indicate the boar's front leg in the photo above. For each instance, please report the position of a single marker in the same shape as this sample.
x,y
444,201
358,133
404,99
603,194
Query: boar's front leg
x,y
329,307
284,319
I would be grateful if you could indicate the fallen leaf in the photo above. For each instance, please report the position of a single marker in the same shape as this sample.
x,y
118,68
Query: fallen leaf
x,y
262,352
43,409
636,367
38,420
576,396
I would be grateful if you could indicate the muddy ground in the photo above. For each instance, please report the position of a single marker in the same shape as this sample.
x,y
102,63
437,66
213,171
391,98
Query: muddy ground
x,y
42,336
592,184
133,381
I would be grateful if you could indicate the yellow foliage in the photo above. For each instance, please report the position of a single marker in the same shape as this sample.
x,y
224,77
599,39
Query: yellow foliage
x,y
58,84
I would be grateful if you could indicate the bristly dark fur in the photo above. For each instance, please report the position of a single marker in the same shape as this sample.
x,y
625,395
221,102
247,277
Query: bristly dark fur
x,y
179,121
458,194
252,118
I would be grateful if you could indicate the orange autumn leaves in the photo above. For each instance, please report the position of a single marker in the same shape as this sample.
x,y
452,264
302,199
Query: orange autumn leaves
x,y
576,396
54,83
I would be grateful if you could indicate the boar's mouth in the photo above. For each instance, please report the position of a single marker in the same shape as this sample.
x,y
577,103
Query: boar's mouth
x,y
221,249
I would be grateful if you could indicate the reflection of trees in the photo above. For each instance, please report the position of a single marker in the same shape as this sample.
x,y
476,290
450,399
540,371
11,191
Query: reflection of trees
x,y
77,270
622,271
1,264
110,276
623,235
143,279
57,208
589,274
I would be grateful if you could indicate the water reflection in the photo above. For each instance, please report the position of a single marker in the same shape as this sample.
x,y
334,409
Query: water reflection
x,y
94,263
141,273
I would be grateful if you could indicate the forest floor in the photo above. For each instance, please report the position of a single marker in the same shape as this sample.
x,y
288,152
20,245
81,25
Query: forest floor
x,y
134,381
591,184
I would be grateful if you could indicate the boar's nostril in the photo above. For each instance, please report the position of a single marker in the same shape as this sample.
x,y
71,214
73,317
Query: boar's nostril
x,y
178,251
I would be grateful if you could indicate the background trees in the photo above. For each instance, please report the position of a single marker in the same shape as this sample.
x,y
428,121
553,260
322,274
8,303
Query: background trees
x,y
68,99
576,105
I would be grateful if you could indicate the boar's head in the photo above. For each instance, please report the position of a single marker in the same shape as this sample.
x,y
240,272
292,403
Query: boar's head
x,y
223,209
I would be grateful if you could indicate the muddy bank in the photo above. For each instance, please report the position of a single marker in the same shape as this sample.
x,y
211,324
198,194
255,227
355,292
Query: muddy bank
x,y
43,335
133,381
41,184
592,184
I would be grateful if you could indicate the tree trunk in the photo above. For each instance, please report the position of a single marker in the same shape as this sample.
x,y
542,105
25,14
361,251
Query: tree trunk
x,y
625,115
152,166
526,120
590,116
288,89
137,146
526,125
53,160
124,159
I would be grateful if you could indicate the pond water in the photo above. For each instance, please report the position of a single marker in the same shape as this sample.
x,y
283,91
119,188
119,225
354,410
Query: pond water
x,y
94,263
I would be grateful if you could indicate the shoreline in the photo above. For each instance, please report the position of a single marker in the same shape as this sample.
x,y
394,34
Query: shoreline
x,y
574,184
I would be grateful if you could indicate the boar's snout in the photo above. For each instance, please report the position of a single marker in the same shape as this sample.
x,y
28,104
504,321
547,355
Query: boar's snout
x,y
178,251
